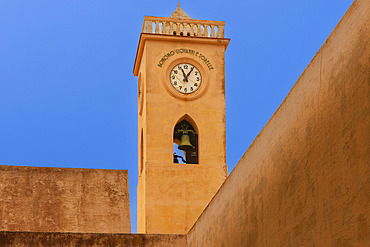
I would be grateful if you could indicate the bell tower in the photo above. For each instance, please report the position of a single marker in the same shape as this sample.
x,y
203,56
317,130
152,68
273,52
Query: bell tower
x,y
180,65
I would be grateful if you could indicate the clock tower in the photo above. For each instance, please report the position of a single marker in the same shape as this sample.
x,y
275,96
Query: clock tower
x,y
180,65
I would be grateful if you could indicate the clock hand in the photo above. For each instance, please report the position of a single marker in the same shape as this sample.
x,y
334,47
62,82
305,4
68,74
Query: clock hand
x,y
189,73
185,77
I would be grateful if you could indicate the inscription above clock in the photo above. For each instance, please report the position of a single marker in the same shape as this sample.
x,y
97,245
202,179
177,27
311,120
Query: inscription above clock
x,y
185,78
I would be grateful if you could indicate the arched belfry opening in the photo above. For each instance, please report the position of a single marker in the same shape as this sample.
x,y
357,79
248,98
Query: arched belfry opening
x,y
185,138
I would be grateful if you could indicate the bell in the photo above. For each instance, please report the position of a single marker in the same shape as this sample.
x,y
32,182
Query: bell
x,y
185,143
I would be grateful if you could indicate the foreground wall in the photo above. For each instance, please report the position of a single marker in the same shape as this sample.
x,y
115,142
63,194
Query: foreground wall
x,y
64,200
305,180
18,239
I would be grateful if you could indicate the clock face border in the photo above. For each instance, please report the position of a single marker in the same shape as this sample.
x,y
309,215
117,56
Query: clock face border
x,y
169,87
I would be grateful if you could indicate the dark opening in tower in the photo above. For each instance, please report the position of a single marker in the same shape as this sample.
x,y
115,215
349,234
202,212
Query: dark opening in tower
x,y
185,138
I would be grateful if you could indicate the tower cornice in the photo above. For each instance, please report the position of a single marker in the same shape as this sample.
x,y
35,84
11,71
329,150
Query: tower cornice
x,y
173,38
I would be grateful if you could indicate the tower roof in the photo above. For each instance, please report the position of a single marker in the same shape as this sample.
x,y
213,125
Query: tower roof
x,y
180,13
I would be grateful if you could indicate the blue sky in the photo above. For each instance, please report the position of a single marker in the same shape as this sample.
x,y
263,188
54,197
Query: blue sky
x,y
68,95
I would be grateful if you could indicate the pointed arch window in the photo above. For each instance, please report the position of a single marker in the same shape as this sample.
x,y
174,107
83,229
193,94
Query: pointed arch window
x,y
185,138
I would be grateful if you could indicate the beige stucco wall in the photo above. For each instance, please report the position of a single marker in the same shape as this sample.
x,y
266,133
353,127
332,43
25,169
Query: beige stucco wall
x,y
64,200
163,110
305,179
20,239
175,202
172,196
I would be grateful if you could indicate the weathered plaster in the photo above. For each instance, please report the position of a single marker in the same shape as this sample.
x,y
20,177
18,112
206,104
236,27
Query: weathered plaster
x,y
305,179
64,200
20,239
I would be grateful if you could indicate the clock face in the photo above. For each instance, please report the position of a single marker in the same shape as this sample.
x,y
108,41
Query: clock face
x,y
185,78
